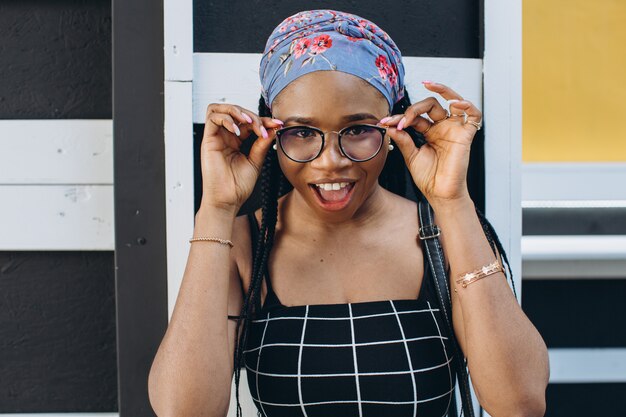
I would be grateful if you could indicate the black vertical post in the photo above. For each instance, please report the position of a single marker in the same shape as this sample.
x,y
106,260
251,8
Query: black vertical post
x,y
140,250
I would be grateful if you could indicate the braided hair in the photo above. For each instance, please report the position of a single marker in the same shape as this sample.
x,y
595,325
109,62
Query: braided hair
x,y
394,177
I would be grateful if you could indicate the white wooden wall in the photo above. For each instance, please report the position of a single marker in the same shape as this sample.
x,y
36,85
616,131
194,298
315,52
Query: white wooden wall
x,y
56,185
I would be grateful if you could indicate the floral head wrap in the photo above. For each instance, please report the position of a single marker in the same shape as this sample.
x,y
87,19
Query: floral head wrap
x,y
318,40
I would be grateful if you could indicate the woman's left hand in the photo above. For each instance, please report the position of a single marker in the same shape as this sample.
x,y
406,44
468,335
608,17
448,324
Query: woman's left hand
x,y
439,167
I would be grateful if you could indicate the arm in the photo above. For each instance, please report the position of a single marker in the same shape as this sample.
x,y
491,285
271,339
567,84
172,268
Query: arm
x,y
507,358
192,372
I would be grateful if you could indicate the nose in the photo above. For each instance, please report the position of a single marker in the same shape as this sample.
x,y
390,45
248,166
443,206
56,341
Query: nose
x,y
331,157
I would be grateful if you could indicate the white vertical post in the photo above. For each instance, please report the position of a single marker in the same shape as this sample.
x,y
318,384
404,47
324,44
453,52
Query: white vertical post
x,y
503,125
502,71
178,56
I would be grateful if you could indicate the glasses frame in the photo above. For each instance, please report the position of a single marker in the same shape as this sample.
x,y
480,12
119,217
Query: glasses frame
x,y
279,133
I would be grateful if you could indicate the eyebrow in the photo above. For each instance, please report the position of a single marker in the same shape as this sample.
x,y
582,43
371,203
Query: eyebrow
x,y
348,118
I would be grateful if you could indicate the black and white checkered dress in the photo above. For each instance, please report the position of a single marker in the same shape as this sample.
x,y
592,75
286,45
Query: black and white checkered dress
x,y
375,358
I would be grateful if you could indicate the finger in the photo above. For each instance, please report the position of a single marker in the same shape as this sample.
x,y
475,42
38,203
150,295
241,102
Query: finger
x,y
473,113
236,118
260,124
216,121
443,90
391,120
405,144
421,124
429,106
261,145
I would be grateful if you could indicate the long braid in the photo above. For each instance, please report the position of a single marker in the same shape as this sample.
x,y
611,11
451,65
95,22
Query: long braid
x,y
272,185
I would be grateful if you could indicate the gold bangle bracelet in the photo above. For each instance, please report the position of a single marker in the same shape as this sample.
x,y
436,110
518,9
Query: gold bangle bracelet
x,y
470,277
211,239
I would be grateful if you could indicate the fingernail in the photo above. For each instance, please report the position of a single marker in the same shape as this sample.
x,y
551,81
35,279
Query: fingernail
x,y
453,101
385,119
237,131
280,122
264,132
245,116
427,82
401,124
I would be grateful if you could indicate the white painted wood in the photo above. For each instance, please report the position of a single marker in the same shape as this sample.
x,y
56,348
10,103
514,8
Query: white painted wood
x,y
56,152
574,247
56,217
234,78
574,257
574,181
503,128
61,415
594,365
502,115
574,269
179,183
178,39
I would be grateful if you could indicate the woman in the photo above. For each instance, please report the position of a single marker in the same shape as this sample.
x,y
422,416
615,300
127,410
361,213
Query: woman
x,y
330,302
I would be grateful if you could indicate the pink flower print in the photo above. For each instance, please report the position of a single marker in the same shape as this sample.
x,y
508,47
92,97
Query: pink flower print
x,y
383,66
282,29
320,44
301,47
393,74
365,25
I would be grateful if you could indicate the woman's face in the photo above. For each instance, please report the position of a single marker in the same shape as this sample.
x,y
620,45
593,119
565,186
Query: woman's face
x,y
331,101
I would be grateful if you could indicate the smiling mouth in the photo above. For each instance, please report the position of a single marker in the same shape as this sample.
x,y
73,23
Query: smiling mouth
x,y
333,193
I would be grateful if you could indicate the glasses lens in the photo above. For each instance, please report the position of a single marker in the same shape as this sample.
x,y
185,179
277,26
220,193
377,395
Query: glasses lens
x,y
301,143
361,142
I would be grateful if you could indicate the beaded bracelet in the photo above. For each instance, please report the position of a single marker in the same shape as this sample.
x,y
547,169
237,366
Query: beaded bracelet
x,y
211,239
470,277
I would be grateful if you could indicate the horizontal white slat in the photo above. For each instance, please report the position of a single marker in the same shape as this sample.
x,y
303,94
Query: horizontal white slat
x,y
56,217
574,181
574,247
234,78
594,365
573,257
574,269
56,152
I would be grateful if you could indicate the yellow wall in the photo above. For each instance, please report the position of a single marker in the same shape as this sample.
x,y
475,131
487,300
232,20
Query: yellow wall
x,y
574,80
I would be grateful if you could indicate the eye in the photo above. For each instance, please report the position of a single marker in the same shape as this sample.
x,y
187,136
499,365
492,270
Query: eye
x,y
304,133
355,130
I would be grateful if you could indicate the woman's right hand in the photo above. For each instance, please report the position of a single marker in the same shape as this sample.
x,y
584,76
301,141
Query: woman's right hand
x,y
228,176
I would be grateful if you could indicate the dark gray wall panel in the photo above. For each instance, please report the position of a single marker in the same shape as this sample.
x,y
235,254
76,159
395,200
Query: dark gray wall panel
x,y
574,221
56,59
444,28
139,152
578,400
57,332
578,313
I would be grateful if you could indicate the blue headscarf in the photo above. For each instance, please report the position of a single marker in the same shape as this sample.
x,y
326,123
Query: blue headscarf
x,y
322,40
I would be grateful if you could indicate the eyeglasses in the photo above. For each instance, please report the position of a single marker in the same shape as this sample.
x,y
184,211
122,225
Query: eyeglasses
x,y
358,143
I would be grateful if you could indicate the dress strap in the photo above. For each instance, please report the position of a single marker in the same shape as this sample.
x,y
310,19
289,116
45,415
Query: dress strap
x,y
271,299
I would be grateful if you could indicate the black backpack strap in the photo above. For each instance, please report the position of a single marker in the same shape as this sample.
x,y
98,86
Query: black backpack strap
x,y
429,232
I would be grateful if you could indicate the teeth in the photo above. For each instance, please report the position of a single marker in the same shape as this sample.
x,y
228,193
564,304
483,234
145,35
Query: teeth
x,y
332,186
